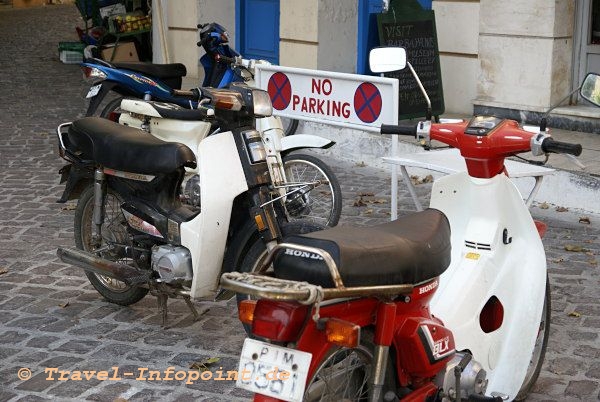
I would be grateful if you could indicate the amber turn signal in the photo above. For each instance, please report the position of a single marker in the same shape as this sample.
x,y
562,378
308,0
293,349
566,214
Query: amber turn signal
x,y
342,333
260,224
246,311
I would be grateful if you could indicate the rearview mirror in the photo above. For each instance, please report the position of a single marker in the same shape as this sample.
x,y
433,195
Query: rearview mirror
x,y
386,59
590,89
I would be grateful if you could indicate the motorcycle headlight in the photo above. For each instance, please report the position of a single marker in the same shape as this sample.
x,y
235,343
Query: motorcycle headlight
x,y
261,103
255,146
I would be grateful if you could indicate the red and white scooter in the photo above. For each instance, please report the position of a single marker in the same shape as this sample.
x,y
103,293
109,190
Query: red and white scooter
x,y
445,304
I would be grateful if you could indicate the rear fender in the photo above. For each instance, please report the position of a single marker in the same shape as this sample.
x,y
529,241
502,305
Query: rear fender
x,y
77,178
107,86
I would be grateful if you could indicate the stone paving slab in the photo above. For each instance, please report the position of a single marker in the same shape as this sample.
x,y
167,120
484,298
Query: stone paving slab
x,y
51,317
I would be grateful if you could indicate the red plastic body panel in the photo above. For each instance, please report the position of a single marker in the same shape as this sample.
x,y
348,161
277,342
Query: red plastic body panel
x,y
484,155
541,228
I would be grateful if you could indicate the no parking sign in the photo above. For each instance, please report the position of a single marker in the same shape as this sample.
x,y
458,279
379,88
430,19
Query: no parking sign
x,y
349,100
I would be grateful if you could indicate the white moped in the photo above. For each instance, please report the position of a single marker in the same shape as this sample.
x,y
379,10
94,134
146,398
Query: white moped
x,y
447,304
134,233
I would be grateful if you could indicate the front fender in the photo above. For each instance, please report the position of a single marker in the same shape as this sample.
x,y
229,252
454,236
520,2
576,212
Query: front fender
x,y
297,141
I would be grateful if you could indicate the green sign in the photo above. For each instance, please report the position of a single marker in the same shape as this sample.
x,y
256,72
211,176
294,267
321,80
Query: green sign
x,y
407,25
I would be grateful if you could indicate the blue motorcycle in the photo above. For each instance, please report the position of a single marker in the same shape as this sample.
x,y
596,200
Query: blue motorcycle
x,y
157,81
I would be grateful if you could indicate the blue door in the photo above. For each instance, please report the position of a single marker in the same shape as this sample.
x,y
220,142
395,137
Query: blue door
x,y
257,33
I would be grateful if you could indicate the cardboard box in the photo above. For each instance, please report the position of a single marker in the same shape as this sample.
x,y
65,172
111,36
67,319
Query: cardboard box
x,y
125,52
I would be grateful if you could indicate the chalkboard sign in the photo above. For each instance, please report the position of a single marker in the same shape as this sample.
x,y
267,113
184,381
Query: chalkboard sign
x,y
414,30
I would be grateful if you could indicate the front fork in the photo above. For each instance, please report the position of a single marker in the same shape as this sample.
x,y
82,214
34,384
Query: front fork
x,y
99,197
384,333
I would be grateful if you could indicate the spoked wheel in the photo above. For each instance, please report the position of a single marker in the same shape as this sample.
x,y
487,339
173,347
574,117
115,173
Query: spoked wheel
x,y
343,376
320,202
111,110
114,231
539,350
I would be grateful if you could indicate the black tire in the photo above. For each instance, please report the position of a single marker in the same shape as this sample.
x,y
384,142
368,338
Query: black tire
x,y
113,229
539,351
289,126
252,260
109,111
345,374
321,205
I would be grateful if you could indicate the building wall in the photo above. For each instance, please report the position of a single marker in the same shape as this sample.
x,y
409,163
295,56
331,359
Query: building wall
x,y
457,24
318,34
338,26
299,33
525,52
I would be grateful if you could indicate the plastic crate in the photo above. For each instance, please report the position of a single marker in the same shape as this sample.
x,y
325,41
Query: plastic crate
x,y
71,57
71,52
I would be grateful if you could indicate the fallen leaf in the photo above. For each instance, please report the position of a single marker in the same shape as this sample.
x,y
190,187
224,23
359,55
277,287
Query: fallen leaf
x,y
574,314
368,211
64,305
366,194
69,207
558,260
360,164
3,271
544,205
593,263
561,209
428,179
203,365
585,219
576,249
379,201
359,203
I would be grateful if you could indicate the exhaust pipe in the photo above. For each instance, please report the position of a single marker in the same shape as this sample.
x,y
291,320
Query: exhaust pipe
x,y
92,263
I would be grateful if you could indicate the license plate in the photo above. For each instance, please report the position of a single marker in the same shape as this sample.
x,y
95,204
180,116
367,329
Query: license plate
x,y
273,371
93,91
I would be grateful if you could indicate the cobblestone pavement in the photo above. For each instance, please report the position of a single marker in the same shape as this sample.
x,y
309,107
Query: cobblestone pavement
x,y
51,317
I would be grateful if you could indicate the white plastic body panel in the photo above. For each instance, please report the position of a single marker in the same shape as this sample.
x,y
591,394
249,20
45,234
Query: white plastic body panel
x,y
479,210
190,133
205,235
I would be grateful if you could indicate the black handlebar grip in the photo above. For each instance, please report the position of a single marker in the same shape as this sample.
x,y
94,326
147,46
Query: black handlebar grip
x,y
401,129
559,147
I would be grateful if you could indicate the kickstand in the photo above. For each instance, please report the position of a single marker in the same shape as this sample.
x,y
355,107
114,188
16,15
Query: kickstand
x,y
162,306
192,308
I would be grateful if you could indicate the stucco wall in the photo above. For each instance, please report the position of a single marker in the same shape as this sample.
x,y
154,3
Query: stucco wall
x,y
525,53
338,24
299,33
457,24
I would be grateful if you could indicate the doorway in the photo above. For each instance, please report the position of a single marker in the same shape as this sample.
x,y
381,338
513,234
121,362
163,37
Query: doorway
x,y
258,29
586,40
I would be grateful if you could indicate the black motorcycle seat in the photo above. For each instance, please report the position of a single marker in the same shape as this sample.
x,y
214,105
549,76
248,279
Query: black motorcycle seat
x,y
127,149
169,73
172,111
410,250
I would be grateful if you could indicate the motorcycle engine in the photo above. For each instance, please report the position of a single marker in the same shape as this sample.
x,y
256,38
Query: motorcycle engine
x,y
173,264
472,379
191,190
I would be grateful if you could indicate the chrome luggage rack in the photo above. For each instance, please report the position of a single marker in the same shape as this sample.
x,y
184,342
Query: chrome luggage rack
x,y
260,285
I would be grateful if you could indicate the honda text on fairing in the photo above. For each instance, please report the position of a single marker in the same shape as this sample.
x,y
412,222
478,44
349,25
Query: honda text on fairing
x,y
448,304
